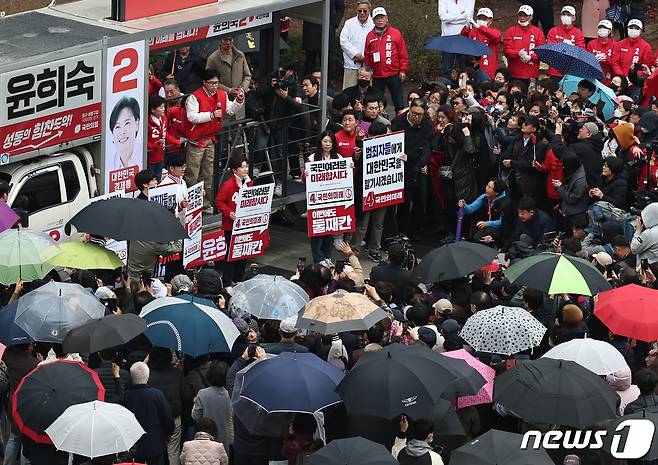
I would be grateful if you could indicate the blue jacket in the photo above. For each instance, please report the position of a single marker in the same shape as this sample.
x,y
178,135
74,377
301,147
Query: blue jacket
x,y
481,202
152,412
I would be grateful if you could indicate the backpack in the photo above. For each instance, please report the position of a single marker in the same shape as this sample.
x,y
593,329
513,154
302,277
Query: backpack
x,y
601,212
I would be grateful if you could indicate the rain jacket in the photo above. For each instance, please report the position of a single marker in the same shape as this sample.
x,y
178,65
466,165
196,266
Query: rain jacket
x,y
516,39
645,244
393,55
203,450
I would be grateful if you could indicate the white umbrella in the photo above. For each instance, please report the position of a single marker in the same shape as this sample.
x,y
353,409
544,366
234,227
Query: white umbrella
x,y
598,357
95,429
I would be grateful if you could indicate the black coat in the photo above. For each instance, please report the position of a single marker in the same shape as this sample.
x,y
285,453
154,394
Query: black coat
x,y
114,387
535,228
170,381
154,415
188,73
395,275
588,152
615,191
523,178
462,160
417,146
353,93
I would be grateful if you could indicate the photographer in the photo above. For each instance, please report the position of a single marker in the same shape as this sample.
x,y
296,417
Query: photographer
x,y
588,149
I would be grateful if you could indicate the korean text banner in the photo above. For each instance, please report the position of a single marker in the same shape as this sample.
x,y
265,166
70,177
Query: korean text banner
x,y
193,224
213,249
124,113
49,104
383,171
330,197
251,235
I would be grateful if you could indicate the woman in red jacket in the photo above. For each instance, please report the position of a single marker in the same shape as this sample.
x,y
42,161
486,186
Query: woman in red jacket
x,y
553,168
158,135
225,201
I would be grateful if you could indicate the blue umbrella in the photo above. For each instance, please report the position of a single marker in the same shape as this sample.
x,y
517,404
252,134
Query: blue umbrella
x,y
569,59
603,93
10,332
458,44
188,324
292,382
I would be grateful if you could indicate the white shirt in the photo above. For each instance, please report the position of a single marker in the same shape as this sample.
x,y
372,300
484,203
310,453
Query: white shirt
x,y
353,40
197,117
453,14
118,163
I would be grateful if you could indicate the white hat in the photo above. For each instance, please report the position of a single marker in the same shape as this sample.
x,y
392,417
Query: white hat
x,y
635,22
603,258
104,292
443,306
159,289
485,12
606,23
527,9
569,9
379,11
288,325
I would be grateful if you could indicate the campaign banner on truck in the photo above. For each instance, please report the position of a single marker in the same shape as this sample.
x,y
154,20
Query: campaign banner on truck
x,y
213,249
383,171
193,223
214,30
251,235
124,115
118,247
330,197
50,104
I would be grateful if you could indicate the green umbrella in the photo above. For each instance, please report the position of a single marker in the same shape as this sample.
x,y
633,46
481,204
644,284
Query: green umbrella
x,y
24,255
555,273
86,256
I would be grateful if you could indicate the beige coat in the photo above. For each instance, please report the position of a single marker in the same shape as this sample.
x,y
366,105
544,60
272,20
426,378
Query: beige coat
x,y
232,73
203,450
593,12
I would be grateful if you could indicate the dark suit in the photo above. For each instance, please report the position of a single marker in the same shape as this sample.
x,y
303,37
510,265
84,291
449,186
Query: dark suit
x,y
523,178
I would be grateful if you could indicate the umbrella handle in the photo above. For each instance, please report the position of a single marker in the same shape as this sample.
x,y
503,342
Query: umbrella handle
x,y
173,330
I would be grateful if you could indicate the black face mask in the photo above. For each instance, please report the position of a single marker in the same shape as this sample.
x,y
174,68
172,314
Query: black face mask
x,y
614,88
363,82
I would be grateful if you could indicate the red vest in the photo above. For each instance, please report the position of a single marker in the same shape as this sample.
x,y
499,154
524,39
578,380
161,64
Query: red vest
x,y
199,133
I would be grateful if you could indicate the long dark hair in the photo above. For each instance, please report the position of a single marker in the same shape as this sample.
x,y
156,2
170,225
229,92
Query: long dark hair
x,y
318,148
571,164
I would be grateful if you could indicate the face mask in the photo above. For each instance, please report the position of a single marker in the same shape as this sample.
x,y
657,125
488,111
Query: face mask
x,y
524,23
566,20
613,87
483,22
634,33
617,113
499,107
363,82
603,32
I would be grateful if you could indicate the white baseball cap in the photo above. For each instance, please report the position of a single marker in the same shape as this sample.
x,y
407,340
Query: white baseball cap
x,y
635,22
485,12
606,24
569,9
379,11
527,9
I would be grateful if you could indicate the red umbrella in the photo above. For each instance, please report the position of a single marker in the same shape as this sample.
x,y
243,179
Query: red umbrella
x,y
629,311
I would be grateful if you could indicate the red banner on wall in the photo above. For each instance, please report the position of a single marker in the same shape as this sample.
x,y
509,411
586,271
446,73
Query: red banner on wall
x,y
135,9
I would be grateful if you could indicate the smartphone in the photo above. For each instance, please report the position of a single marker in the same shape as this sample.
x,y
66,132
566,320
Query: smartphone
x,y
340,266
146,280
644,263
608,271
301,264
251,350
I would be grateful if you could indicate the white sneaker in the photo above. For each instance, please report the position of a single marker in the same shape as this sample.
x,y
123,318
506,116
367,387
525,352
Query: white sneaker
x,y
278,190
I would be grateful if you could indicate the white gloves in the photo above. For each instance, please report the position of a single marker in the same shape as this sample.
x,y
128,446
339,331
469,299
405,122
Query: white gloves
x,y
472,23
601,56
525,56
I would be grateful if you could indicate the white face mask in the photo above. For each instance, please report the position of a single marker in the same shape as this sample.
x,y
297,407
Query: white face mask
x,y
634,33
617,113
567,20
603,32
499,107
483,22
524,23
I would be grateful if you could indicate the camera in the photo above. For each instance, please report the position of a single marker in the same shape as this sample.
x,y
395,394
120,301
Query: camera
x,y
282,83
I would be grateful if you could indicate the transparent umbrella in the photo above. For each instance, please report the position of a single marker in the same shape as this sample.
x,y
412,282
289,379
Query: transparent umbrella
x,y
48,313
24,254
269,297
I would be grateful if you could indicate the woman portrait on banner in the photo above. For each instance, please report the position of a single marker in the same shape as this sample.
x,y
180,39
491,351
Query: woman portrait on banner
x,y
124,126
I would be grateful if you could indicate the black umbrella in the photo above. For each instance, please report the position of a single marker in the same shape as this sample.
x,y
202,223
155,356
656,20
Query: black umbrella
x,y
352,451
443,416
555,391
404,379
453,261
102,333
129,220
48,390
498,447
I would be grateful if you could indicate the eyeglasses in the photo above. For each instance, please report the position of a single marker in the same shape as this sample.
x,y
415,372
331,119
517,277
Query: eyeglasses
x,y
362,10
212,83
417,114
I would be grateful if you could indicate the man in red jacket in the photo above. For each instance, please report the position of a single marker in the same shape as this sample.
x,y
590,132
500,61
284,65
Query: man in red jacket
x,y
632,50
518,45
565,32
175,112
603,48
483,31
386,53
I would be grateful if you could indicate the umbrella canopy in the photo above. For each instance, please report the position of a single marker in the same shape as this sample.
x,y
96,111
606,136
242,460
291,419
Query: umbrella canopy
x,y
338,312
24,254
555,273
269,297
503,330
51,311
570,59
458,44
352,451
629,311
292,382
126,219
602,93
102,333
8,217
86,256
188,324
558,392
645,451
598,357
454,261
485,394
445,419
405,377
94,429
498,447
47,391
10,332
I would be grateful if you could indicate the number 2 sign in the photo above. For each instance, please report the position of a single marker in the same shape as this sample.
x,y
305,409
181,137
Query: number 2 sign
x,y
124,115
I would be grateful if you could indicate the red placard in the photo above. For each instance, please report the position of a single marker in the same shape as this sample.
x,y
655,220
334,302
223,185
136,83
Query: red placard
x,y
249,244
135,9
331,220
213,249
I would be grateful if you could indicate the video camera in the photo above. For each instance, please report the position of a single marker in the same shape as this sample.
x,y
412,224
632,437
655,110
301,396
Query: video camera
x,y
281,81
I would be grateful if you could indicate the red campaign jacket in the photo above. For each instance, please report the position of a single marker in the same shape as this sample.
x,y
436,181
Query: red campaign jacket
x,y
491,37
226,198
157,131
562,33
346,143
554,169
597,46
631,51
393,56
518,38
199,133
175,119
154,86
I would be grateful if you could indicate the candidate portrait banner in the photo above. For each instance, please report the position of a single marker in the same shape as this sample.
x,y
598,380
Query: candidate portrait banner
x,y
251,235
193,224
124,115
330,197
383,171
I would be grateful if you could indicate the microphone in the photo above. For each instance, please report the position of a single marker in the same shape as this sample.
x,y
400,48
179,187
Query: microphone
x,y
219,107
